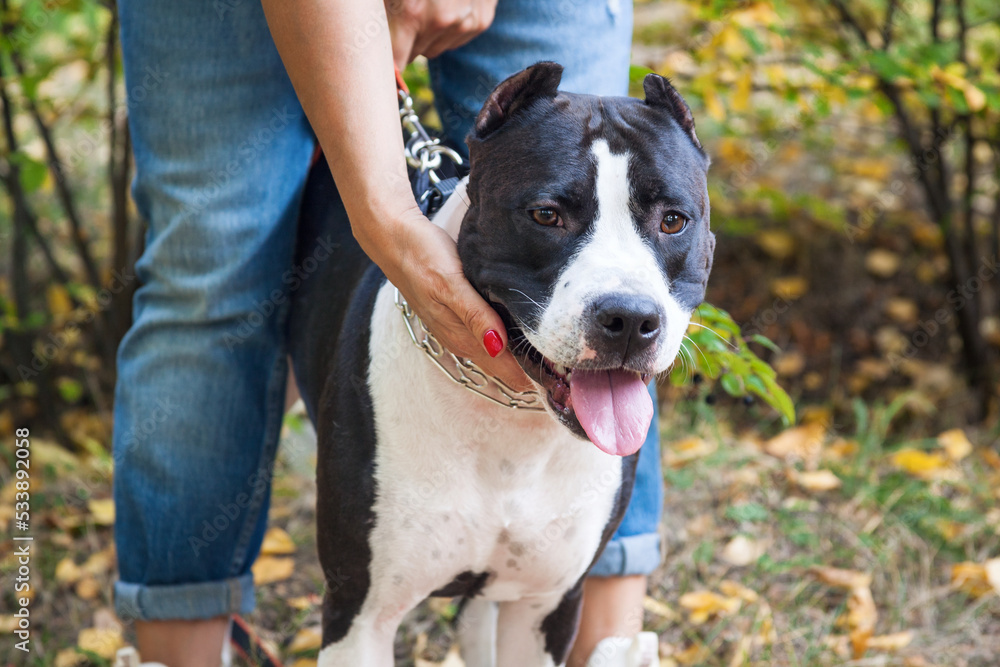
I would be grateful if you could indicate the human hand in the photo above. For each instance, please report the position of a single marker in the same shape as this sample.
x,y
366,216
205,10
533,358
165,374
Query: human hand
x,y
431,27
422,261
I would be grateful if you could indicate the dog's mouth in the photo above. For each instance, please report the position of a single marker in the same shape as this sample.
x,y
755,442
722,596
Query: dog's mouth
x,y
608,406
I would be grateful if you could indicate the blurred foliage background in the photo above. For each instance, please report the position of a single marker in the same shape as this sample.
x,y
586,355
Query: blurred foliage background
x,y
855,190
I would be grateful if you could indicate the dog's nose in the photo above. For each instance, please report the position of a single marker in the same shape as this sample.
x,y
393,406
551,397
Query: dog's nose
x,y
624,325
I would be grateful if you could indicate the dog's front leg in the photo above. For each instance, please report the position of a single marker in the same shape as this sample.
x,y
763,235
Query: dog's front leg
x,y
368,643
538,631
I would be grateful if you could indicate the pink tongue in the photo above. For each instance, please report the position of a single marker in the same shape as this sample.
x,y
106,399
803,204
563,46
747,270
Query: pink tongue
x,y
613,407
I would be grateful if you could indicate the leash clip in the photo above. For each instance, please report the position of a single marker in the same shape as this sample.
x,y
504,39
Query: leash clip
x,y
422,151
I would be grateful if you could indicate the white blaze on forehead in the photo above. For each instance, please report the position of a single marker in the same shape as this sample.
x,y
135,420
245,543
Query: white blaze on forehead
x,y
614,259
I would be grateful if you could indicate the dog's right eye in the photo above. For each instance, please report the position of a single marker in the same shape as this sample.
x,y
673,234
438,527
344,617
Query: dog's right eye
x,y
545,216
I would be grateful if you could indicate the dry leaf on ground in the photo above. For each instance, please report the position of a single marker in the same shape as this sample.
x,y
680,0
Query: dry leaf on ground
x,y
815,480
891,642
955,443
306,639
926,466
269,569
104,642
840,578
977,579
67,571
701,605
687,449
277,543
882,263
802,443
742,550
662,609
102,511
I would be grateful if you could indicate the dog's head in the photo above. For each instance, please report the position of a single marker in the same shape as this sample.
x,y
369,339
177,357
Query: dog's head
x,y
588,231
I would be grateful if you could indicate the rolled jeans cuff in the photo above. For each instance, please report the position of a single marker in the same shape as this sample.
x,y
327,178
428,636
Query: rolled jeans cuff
x,y
630,555
185,601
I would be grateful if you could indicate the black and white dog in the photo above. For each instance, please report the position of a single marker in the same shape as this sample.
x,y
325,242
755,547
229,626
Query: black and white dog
x,y
585,223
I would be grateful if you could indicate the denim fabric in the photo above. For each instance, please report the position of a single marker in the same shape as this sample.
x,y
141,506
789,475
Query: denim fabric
x,y
221,152
635,546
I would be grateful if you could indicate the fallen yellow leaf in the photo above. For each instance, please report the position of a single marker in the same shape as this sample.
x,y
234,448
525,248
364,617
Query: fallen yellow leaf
x,y
802,443
99,562
703,604
893,642
67,572
277,543
955,443
789,288
919,463
816,480
839,578
662,609
269,569
102,511
69,657
696,654
306,639
735,589
303,602
992,568
882,263
741,551
687,449
103,642
790,364
841,449
304,662
971,579
861,617
87,588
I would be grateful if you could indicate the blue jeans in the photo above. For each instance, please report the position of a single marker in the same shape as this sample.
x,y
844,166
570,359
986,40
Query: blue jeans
x,y
222,149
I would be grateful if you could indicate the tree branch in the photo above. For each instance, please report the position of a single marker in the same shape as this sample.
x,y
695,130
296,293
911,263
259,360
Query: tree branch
x,y
850,20
890,17
66,198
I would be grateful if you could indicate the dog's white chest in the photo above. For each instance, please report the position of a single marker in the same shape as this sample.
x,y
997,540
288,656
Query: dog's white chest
x,y
465,486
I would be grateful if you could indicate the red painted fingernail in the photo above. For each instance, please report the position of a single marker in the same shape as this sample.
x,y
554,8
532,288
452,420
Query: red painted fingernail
x,y
492,342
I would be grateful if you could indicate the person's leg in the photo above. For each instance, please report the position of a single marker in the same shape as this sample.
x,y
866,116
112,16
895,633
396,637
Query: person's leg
x,y
221,149
592,40
616,585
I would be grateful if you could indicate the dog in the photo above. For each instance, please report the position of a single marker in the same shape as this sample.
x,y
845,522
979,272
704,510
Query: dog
x,y
584,222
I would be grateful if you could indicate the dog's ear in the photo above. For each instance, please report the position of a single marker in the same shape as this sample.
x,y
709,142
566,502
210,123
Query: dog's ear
x,y
516,92
659,93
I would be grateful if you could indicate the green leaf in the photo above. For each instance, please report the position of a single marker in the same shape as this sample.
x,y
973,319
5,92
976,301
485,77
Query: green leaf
x,y
732,384
761,339
70,390
32,172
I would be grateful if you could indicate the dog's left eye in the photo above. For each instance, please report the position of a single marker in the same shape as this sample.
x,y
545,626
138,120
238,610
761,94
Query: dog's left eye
x,y
673,223
545,216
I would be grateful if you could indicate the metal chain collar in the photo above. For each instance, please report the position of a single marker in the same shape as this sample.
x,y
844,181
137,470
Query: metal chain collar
x,y
423,153
463,371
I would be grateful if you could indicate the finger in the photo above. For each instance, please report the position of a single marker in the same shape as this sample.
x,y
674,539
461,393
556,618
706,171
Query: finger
x,y
461,34
506,368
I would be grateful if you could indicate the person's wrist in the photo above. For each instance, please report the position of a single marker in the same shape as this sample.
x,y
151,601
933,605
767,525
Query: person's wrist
x,y
385,233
